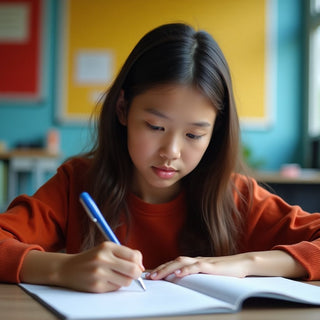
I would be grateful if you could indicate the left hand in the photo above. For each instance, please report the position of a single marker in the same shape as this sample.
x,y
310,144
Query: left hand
x,y
259,263
235,265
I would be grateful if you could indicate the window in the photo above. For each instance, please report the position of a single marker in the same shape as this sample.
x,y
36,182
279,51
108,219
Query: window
x,y
315,6
313,48
314,69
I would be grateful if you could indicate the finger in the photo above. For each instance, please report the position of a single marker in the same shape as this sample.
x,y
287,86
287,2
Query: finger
x,y
196,267
126,253
169,268
109,280
123,267
98,280
160,271
118,279
153,272
128,269
122,260
161,266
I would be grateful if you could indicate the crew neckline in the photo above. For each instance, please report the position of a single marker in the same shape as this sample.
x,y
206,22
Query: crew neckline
x,y
167,208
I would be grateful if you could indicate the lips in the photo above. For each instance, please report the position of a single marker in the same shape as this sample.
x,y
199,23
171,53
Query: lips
x,y
164,172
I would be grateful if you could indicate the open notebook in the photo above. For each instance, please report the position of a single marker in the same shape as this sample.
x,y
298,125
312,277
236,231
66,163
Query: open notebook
x,y
194,294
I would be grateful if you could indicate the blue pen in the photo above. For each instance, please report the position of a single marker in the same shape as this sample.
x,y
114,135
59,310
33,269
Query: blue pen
x,y
96,216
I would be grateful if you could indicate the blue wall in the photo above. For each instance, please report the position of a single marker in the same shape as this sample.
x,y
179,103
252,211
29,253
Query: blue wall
x,y
275,145
282,142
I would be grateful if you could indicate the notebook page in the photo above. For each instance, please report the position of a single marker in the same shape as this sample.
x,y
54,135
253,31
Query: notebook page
x,y
236,290
160,299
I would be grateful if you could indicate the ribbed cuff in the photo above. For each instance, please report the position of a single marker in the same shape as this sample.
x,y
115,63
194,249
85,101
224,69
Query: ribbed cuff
x,y
12,254
308,254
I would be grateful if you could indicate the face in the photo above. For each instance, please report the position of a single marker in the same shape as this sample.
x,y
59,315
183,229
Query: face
x,y
169,129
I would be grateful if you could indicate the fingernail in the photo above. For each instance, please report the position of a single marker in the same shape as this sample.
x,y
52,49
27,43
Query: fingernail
x,y
153,275
147,275
142,267
177,272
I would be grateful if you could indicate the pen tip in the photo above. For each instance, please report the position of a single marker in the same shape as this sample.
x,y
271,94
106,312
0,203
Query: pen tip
x,y
142,284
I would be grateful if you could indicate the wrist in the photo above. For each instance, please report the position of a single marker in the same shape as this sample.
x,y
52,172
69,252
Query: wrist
x,y
254,261
54,272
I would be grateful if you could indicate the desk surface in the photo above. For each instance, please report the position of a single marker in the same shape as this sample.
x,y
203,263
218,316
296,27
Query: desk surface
x,y
15,304
306,176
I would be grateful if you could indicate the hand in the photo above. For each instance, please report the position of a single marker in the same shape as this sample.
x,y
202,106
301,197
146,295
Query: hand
x,y
106,267
260,263
236,265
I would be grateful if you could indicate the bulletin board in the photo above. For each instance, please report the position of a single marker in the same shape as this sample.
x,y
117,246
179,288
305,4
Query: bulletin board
x,y
98,35
20,49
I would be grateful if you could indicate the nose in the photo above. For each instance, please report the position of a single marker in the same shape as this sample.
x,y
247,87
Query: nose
x,y
170,148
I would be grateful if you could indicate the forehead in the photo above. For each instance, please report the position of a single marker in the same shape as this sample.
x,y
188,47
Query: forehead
x,y
173,98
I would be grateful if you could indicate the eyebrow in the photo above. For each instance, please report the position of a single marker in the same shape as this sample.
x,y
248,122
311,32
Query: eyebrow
x,y
202,124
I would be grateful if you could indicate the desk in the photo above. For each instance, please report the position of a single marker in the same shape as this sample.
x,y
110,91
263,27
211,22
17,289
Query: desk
x,y
15,304
37,162
307,176
303,190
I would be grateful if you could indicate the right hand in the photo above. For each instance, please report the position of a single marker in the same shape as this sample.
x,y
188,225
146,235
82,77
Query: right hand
x,y
106,267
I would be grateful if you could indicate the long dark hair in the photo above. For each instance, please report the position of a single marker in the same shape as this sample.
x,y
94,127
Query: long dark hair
x,y
174,54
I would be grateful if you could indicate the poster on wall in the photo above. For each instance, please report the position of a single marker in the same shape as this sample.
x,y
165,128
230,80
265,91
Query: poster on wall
x,y
93,52
21,49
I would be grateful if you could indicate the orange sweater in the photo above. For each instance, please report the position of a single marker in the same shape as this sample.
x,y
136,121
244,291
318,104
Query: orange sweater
x,y
50,220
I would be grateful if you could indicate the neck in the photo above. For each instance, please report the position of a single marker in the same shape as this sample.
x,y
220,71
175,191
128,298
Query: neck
x,y
157,195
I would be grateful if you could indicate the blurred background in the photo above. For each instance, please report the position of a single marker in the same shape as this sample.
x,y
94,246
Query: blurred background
x,y
57,57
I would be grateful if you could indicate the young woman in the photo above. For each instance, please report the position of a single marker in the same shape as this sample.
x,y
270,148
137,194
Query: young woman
x,y
163,171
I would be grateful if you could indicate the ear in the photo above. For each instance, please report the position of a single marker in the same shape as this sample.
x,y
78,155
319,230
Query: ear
x,y
121,109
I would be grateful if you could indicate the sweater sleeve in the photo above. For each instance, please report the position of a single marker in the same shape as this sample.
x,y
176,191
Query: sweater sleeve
x,y
12,253
38,222
273,224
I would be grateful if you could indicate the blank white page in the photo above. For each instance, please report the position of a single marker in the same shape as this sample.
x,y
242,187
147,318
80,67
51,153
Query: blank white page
x,y
161,298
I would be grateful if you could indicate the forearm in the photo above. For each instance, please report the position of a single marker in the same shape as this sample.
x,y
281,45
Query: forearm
x,y
41,267
274,263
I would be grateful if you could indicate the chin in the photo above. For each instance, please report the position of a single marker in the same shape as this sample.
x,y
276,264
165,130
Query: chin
x,y
165,184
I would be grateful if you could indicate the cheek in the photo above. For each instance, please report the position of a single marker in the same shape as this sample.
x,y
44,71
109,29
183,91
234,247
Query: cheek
x,y
195,154
139,144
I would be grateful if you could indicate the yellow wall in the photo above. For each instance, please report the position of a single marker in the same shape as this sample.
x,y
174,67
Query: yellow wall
x,y
238,26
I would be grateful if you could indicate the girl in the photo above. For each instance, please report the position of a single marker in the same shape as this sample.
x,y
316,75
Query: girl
x,y
163,172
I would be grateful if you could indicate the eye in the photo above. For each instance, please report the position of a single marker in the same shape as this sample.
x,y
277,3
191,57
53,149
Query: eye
x,y
155,128
193,136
